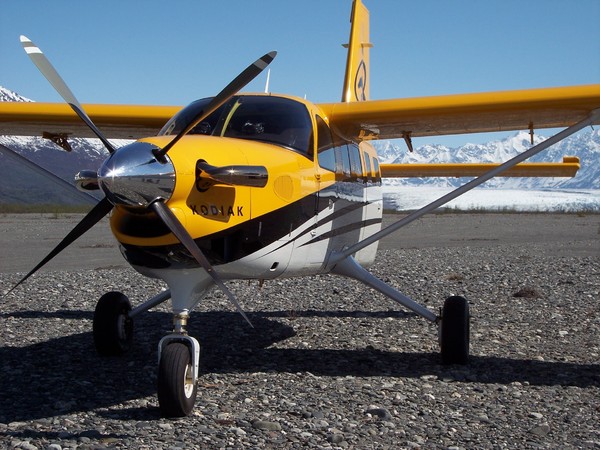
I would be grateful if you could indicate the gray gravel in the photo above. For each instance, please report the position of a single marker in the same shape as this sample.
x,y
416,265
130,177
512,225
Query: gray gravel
x,y
331,364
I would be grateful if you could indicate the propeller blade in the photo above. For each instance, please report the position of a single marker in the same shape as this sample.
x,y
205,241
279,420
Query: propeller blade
x,y
44,66
92,218
229,91
169,219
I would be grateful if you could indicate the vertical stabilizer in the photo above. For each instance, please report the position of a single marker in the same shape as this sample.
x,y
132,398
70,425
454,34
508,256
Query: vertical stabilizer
x,y
356,81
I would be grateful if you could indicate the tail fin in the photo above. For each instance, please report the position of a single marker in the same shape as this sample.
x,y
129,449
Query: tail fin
x,y
356,81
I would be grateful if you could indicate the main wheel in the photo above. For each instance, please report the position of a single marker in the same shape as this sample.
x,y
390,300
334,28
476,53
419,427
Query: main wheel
x,y
176,387
455,331
113,328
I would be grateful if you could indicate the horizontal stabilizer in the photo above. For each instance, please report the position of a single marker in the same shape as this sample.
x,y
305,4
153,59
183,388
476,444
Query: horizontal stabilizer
x,y
567,168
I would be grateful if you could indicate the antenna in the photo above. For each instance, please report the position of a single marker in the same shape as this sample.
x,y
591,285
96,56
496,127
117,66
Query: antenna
x,y
267,84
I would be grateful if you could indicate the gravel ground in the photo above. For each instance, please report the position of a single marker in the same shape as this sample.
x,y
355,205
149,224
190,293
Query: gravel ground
x,y
330,364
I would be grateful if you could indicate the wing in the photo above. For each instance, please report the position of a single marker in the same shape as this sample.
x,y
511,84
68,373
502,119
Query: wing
x,y
466,113
463,113
58,119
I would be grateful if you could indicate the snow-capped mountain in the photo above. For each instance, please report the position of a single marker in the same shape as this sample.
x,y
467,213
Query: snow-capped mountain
x,y
6,95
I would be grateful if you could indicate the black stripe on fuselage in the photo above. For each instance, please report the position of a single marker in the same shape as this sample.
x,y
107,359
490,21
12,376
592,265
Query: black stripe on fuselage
x,y
247,238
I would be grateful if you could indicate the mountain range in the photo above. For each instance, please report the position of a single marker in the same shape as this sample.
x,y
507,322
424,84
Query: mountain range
x,y
18,185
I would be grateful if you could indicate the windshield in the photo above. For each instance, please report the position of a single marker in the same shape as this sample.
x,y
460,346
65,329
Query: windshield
x,y
179,121
270,119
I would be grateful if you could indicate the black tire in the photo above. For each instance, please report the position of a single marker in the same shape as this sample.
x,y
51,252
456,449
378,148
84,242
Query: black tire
x,y
113,328
176,392
455,331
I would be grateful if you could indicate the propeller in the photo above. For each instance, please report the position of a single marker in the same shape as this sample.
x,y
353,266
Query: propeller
x,y
140,175
44,66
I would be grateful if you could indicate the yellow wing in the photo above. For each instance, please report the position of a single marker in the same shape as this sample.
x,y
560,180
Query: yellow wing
x,y
466,113
463,113
374,119
58,119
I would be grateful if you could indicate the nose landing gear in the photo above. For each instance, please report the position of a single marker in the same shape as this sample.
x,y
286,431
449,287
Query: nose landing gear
x,y
177,377
178,370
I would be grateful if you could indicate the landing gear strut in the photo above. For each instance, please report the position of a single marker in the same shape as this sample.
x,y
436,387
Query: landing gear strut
x,y
453,323
178,353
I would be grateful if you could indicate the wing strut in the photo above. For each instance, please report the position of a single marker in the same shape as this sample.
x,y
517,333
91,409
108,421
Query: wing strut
x,y
348,267
592,118
48,175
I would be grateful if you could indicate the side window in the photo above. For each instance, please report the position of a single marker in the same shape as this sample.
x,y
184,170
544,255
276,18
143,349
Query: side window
x,y
376,170
325,148
346,166
368,166
355,163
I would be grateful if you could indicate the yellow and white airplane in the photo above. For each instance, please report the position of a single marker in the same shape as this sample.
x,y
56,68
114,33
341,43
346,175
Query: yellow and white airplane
x,y
265,186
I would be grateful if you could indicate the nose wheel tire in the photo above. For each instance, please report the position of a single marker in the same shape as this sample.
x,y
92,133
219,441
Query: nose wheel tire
x,y
112,328
176,387
455,331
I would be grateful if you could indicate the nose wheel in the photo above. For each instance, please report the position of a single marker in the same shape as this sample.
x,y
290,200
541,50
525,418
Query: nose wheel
x,y
177,375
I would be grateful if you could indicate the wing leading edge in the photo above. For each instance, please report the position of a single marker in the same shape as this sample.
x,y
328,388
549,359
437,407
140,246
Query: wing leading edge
x,y
371,119
463,113
116,121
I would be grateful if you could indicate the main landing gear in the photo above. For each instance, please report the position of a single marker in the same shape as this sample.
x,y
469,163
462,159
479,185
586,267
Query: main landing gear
x,y
113,327
454,331
453,322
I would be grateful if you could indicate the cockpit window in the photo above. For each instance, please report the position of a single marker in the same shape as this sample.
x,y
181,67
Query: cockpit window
x,y
183,117
270,119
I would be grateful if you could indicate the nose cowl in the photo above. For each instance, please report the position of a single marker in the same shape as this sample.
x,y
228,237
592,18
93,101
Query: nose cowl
x,y
133,176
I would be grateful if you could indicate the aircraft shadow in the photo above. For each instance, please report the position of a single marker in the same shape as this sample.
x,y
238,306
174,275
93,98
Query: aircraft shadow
x,y
65,375
71,314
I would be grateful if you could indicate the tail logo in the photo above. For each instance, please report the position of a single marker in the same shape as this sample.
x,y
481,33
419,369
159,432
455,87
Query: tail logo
x,y
360,82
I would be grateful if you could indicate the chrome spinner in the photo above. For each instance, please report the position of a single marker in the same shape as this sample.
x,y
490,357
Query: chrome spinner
x,y
133,176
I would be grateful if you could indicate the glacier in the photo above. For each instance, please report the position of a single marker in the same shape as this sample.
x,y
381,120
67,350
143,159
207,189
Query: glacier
x,y
409,198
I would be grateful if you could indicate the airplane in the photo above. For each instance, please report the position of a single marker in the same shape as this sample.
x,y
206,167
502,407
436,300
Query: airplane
x,y
259,186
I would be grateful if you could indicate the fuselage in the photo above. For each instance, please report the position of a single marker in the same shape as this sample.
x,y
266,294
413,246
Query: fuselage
x,y
321,194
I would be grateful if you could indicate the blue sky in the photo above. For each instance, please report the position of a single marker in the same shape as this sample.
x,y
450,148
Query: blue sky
x,y
172,52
